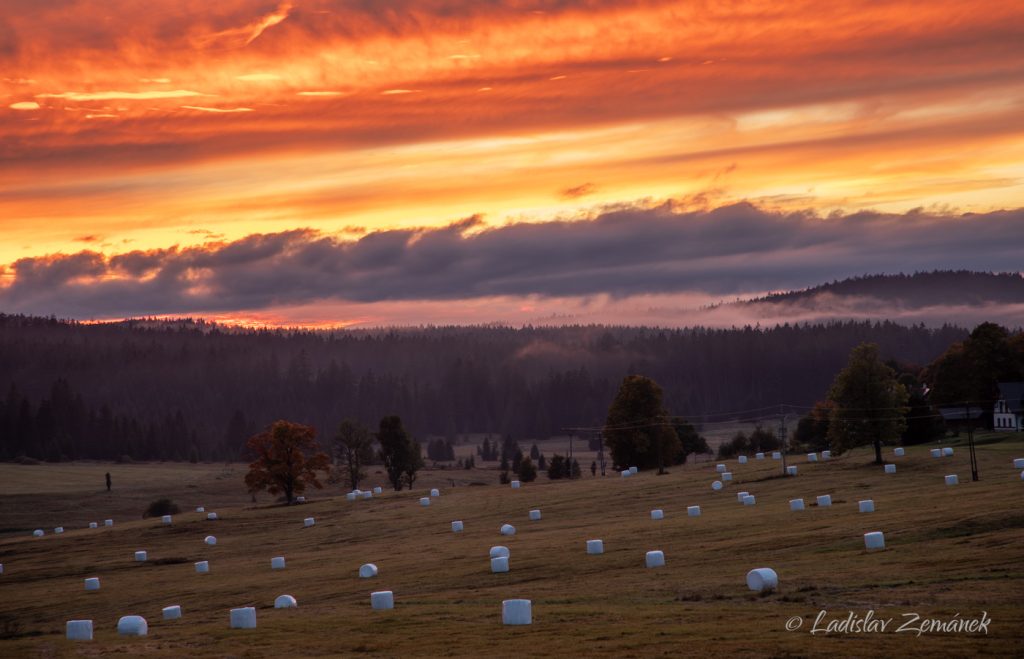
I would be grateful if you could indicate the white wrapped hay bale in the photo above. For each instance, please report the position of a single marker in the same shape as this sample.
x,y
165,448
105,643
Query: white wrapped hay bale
x,y
59,530
499,550
742,459
749,500
516,612
499,564
243,618
947,452
424,501
1,568
726,476
740,495
759,456
92,583
826,455
791,470
78,630
285,602
720,468
200,509
210,540
309,521
874,540
515,485
93,525
657,513
211,516
300,499
508,529
172,612
693,511
824,500
812,457
108,522
534,515
936,453
367,494
367,570
38,533
166,519
435,492
899,452
382,600
626,473
378,490
866,506
277,563
351,496
776,455
457,526
141,556
633,470
952,479
132,626
203,567
796,504
890,469
595,546
1018,463
655,558
716,485
762,580
357,492
1022,475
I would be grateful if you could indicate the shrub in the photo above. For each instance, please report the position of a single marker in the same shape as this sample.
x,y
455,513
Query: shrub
x,y
161,507
527,472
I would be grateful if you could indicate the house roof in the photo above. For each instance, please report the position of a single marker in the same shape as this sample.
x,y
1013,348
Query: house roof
x,y
1013,394
961,413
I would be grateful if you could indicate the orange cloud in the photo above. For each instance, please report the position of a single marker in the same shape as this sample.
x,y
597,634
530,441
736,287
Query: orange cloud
x,y
372,114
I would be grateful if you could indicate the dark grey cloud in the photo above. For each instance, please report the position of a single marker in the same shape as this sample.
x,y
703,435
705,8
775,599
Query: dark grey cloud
x,y
623,252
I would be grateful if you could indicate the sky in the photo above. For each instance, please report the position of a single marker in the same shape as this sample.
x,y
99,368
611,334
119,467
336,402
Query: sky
x,y
364,162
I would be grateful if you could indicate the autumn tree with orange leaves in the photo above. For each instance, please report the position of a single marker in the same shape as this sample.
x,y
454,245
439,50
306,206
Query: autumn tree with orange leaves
x,y
286,460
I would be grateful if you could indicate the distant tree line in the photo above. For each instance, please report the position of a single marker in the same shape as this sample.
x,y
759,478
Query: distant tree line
x,y
180,391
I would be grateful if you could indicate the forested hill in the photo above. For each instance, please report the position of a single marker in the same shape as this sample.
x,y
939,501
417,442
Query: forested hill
x,y
155,390
941,288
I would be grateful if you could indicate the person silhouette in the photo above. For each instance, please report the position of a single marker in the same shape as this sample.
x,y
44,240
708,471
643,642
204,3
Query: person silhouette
x,y
108,481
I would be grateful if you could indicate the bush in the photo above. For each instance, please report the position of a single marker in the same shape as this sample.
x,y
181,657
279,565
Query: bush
x,y
527,472
161,507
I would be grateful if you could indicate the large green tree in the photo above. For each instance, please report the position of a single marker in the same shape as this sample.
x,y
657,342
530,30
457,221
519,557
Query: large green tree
x,y
970,371
286,461
811,432
638,431
399,452
691,442
868,403
353,448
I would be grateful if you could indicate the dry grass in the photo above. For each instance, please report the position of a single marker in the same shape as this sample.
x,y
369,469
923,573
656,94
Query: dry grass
x,y
950,550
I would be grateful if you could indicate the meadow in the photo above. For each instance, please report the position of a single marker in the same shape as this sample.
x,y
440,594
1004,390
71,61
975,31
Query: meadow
x,y
951,551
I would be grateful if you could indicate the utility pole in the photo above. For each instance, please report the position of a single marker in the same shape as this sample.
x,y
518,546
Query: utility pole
x,y
782,439
970,442
570,456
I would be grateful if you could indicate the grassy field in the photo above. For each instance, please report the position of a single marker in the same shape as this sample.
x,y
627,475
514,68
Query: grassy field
x,y
950,551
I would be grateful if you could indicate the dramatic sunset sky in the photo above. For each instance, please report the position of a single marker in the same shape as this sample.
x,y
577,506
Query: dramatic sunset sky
x,y
369,162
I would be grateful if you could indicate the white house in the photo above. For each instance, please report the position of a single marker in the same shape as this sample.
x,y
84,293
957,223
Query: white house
x,y
1008,413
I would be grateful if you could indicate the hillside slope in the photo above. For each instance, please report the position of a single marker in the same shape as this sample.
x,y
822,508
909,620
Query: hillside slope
x,y
950,551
